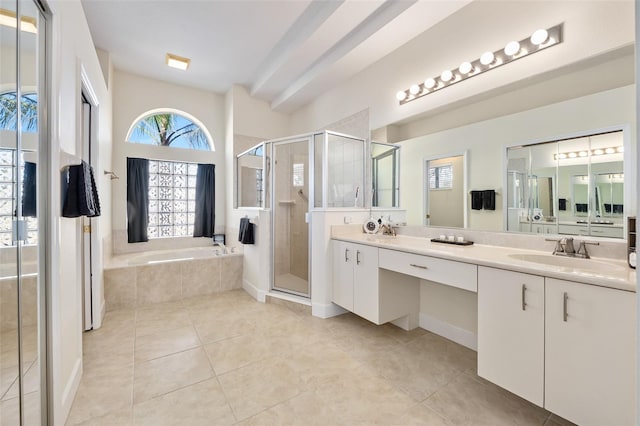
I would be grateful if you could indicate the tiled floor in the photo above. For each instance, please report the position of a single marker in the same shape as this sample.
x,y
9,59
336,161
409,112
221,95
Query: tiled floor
x,y
227,359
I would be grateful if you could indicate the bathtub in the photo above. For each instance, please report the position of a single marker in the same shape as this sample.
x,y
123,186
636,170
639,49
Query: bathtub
x,y
160,276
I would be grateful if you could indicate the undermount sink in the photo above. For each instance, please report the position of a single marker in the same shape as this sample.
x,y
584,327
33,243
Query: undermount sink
x,y
588,265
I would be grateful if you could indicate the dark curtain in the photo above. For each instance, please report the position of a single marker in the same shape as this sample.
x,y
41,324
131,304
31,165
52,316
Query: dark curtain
x,y
137,199
205,201
29,190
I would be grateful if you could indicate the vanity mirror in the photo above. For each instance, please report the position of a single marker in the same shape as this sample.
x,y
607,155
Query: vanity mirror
x,y
250,169
385,174
582,179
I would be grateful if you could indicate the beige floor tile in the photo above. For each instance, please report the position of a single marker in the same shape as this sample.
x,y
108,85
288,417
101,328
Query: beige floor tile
x,y
115,418
102,391
166,374
554,420
30,383
420,415
465,401
215,327
230,354
165,343
200,404
150,320
260,385
306,408
10,415
363,399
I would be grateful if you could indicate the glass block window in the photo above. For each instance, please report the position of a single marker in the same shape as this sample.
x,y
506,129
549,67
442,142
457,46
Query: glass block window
x,y
259,187
441,177
298,174
8,194
172,195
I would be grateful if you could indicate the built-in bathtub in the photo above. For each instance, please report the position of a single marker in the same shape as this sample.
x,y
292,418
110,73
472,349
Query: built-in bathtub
x,y
169,275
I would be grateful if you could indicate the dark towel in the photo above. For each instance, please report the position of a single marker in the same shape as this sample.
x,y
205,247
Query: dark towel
x,y
476,200
562,204
246,231
582,207
29,185
489,199
82,194
618,208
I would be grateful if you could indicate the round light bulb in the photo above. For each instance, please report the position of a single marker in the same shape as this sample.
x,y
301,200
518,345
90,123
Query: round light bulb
x,y
583,153
446,76
610,151
620,149
512,48
539,37
414,89
598,152
562,156
465,68
429,83
487,58
401,95
572,155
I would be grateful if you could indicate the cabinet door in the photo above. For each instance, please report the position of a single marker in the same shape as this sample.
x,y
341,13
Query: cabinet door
x,y
511,331
590,353
366,301
343,262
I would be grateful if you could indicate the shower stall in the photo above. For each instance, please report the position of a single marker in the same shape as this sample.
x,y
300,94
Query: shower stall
x,y
317,171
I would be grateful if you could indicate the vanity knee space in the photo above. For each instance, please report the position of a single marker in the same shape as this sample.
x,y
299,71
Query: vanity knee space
x,y
568,347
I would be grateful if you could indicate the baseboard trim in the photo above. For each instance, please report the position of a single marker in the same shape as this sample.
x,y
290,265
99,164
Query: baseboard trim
x,y
326,310
255,292
69,393
449,331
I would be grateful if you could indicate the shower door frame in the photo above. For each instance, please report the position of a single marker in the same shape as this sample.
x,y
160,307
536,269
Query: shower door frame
x,y
309,138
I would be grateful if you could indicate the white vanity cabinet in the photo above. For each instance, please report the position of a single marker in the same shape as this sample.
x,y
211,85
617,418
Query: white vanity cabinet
x,y
355,279
511,331
590,367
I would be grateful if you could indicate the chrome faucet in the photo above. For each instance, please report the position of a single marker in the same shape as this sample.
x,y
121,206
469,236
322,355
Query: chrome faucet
x,y
388,229
566,247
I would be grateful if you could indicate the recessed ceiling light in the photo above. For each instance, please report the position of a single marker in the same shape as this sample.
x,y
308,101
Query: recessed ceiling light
x,y
175,61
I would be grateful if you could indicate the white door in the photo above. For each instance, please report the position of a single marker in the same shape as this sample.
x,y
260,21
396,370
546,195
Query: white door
x,y
343,261
366,301
445,189
511,331
87,270
590,353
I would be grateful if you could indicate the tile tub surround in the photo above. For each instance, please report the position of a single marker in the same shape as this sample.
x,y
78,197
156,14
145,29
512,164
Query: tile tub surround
x,y
137,285
226,359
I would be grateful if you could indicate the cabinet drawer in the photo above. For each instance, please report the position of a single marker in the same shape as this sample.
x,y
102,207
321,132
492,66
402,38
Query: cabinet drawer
x,y
448,272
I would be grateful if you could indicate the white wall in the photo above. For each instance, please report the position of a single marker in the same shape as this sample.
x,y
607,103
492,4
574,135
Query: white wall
x,y
427,55
72,50
487,140
133,96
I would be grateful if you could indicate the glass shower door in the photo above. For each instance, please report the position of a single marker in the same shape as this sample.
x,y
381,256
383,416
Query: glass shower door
x,y
290,205
22,319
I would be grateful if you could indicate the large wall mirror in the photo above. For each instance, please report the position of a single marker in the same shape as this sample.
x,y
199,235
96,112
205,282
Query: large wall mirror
x,y
385,175
251,177
572,186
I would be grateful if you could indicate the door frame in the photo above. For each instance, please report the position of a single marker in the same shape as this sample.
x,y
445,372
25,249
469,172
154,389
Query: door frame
x,y
308,138
465,180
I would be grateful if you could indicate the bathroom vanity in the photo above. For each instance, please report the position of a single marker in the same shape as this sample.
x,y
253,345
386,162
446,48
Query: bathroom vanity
x,y
559,332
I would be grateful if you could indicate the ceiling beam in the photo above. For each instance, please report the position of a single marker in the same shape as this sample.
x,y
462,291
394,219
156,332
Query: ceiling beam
x,y
316,13
384,14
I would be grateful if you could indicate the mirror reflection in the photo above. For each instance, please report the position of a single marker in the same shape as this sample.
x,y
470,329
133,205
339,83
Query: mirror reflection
x,y
385,173
586,173
250,169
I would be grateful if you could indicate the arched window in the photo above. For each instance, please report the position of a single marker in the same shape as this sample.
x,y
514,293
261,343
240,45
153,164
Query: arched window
x,y
170,128
9,111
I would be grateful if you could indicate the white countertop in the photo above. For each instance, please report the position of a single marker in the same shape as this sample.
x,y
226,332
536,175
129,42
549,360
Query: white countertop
x,y
600,271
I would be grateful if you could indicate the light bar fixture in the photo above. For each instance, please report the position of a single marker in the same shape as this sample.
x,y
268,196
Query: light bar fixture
x,y
594,152
8,18
175,61
514,50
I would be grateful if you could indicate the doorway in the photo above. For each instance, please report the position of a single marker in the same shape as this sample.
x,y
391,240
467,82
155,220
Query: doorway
x,y
290,206
445,189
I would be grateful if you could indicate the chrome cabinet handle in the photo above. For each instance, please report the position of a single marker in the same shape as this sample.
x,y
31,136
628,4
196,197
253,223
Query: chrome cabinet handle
x,y
564,307
418,266
358,257
524,304
346,255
